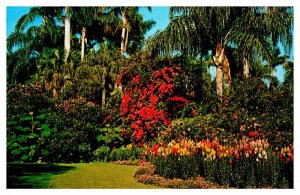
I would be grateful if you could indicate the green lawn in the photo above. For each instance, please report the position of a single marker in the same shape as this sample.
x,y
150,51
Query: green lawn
x,y
81,175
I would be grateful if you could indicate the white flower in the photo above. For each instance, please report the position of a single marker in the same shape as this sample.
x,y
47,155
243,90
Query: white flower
x,y
264,153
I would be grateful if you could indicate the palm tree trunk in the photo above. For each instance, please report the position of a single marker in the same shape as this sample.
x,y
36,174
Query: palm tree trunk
x,y
246,65
103,98
126,40
83,31
67,43
103,103
124,22
273,72
219,81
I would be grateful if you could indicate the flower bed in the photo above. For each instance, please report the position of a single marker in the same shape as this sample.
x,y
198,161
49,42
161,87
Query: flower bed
x,y
241,163
145,173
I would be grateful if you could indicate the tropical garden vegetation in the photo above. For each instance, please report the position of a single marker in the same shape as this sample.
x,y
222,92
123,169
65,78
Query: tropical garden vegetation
x,y
86,86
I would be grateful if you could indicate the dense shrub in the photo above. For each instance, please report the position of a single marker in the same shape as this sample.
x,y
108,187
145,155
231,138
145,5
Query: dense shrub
x,y
22,99
28,131
129,152
251,109
78,123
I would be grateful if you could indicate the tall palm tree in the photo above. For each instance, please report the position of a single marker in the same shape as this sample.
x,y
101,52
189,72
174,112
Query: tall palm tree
x,y
26,46
67,41
198,29
260,29
130,18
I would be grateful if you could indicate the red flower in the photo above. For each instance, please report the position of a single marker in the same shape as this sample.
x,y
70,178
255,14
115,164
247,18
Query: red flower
x,y
253,134
155,148
213,135
194,112
107,118
235,116
230,162
178,99
174,150
136,79
156,74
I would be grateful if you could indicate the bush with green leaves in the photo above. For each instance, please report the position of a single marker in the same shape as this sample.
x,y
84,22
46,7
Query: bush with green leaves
x,y
28,137
130,152
22,99
77,122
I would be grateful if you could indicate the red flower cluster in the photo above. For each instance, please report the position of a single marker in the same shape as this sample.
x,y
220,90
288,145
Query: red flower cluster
x,y
143,107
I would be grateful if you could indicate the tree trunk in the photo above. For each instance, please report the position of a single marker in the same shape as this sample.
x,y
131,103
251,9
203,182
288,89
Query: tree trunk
x,y
83,31
126,41
124,23
67,43
103,98
246,65
273,72
219,81
103,105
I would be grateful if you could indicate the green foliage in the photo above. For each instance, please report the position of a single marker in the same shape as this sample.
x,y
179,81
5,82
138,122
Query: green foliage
x,y
77,122
110,137
27,137
104,153
22,99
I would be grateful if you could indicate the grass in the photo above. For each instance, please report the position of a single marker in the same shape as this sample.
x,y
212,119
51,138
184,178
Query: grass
x,y
33,175
73,176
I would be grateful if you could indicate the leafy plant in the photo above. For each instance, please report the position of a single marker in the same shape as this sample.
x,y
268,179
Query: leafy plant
x,y
27,137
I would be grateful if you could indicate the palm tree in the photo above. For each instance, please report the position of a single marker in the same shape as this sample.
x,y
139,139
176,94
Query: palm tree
x,y
198,29
260,30
67,42
130,18
26,46
201,29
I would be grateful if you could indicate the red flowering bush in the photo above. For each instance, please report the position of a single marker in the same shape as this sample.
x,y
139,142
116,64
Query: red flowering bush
x,y
147,102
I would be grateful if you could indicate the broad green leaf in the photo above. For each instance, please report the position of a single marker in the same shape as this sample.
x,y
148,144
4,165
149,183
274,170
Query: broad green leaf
x,y
24,157
25,129
20,128
26,118
32,147
46,133
12,122
45,127
16,152
32,135
31,153
42,116
24,148
13,145
22,138
36,122
101,138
